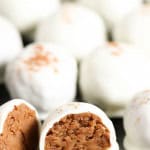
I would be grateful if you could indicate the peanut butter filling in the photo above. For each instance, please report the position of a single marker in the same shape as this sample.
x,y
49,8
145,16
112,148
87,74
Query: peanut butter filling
x,y
20,130
83,131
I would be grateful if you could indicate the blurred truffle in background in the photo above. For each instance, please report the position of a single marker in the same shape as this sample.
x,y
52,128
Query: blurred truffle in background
x,y
135,28
10,44
76,28
43,75
112,74
112,10
25,14
137,122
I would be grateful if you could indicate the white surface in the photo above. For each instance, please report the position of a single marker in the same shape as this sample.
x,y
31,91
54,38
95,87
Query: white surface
x,y
77,108
112,10
6,108
10,43
112,75
137,123
46,86
74,27
135,28
25,14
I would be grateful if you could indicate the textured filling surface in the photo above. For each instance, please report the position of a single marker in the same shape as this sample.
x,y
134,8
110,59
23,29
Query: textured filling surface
x,y
20,131
83,131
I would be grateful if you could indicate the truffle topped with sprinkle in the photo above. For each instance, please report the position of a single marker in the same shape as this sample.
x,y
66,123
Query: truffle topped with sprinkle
x,y
112,74
39,73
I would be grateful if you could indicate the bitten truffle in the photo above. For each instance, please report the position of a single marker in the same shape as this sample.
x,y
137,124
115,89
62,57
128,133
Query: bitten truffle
x,y
25,14
135,28
19,126
78,126
10,44
137,122
44,75
74,27
112,74
112,10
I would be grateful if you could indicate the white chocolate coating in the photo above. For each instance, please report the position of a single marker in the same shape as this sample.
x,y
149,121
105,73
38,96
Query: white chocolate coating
x,y
25,14
112,10
77,108
6,108
43,75
135,28
10,44
137,122
76,28
112,75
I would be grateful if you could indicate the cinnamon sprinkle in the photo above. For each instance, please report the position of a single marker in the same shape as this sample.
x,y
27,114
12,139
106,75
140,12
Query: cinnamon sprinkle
x,y
41,59
39,47
118,50
113,44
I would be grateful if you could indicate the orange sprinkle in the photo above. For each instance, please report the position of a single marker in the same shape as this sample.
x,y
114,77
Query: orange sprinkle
x,y
113,44
40,59
39,47
118,50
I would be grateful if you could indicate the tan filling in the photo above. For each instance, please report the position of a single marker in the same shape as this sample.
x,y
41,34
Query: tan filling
x,y
83,131
20,130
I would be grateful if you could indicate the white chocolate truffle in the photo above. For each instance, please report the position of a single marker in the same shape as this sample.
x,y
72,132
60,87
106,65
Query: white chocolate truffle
x,y
78,125
137,123
43,75
135,28
19,126
112,74
25,14
112,10
74,27
10,44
